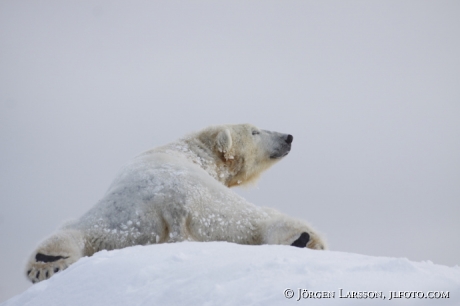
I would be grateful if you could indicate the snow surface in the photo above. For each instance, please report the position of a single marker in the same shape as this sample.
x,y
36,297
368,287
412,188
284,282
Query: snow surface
x,y
221,273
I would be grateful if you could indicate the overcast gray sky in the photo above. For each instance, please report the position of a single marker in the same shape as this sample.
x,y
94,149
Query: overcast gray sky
x,y
369,89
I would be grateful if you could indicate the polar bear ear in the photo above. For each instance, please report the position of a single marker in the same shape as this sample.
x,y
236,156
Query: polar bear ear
x,y
224,142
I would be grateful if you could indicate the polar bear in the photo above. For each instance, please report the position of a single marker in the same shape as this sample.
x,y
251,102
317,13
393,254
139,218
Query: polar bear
x,y
180,192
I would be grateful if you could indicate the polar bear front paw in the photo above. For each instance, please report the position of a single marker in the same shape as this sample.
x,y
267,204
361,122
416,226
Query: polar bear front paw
x,y
302,241
46,266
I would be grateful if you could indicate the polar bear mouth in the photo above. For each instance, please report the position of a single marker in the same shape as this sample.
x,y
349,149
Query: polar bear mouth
x,y
280,154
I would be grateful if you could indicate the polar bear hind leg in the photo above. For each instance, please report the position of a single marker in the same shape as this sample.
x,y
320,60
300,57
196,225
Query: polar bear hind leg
x,y
55,254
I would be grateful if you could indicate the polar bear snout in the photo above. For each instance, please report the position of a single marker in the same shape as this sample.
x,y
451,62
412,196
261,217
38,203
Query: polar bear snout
x,y
282,146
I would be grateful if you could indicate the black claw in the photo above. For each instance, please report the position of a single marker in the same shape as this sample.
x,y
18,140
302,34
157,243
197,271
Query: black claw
x,y
34,281
47,274
28,272
37,275
302,241
56,270
47,258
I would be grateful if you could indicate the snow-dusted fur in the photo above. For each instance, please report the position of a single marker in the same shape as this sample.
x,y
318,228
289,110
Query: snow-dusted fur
x,y
180,192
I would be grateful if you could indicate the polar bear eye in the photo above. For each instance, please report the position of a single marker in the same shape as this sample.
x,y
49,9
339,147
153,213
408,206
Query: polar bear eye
x,y
255,132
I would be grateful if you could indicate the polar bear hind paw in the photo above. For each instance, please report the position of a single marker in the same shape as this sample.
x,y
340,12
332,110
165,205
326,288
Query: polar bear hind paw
x,y
46,266
302,241
47,258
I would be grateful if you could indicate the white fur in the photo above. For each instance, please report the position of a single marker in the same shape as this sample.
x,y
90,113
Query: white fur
x,y
180,192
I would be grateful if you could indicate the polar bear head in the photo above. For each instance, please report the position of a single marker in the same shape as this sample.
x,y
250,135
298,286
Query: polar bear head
x,y
242,152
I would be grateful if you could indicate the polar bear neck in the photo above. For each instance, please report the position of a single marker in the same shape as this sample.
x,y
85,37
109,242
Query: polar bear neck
x,y
198,153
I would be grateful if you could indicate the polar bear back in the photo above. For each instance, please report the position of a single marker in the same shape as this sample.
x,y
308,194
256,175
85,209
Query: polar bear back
x,y
159,189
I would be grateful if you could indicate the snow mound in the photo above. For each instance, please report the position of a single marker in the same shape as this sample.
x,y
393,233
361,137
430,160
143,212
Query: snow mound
x,y
220,273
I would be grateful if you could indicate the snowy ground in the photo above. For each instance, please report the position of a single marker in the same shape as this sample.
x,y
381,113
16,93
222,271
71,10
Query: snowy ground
x,y
219,273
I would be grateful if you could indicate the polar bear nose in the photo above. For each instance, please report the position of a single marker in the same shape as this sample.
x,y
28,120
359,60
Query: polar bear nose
x,y
289,138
